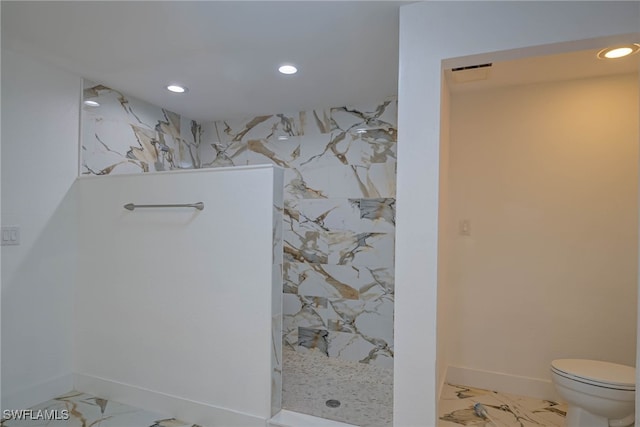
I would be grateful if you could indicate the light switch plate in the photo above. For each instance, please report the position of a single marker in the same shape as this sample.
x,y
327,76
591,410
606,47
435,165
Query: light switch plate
x,y
10,236
464,228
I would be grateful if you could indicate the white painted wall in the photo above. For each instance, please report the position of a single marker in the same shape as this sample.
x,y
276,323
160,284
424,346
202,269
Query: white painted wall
x,y
444,242
40,116
547,175
40,111
0,211
431,32
173,307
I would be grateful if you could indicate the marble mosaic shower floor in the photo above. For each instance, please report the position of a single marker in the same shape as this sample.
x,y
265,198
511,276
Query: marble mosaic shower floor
x,y
455,408
365,392
77,409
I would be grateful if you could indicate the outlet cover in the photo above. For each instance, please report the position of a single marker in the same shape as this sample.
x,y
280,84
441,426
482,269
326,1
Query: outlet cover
x,y
10,236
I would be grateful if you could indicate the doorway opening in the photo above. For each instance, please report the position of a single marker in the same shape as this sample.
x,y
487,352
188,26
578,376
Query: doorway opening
x,y
538,251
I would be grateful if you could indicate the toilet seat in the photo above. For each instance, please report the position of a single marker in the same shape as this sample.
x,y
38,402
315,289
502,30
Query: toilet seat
x,y
597,373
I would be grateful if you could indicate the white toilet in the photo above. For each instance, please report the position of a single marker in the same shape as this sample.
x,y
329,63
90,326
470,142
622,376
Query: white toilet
x,y
598,394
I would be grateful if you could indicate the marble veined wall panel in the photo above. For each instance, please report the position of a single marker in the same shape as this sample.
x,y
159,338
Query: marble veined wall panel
x,y
339,220
338,233
276,295
126,135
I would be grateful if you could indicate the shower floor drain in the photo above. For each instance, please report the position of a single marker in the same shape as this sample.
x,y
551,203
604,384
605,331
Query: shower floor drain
x,y
332,403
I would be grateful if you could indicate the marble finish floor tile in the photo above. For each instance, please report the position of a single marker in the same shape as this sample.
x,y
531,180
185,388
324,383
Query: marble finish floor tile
x,y
365,391
455,408
76,409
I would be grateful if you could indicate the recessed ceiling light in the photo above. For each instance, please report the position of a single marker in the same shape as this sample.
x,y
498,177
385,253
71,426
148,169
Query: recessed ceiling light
x,y
91,103
176,89
287,69
618,51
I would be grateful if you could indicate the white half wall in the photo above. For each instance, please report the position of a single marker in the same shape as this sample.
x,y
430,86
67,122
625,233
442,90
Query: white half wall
x,y
431,32
40,118
174,306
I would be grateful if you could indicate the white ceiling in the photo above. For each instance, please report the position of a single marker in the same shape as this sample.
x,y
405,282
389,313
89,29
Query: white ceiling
x,y
227,53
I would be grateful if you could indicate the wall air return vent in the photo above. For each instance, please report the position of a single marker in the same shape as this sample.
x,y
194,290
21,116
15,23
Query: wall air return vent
x,y
471,73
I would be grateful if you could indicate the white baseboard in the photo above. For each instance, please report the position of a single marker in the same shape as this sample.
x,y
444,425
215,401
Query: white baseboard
x,y
38,393
165,404
504,383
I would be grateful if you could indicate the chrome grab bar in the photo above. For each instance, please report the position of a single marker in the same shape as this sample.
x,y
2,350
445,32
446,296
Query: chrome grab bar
x,y
199,206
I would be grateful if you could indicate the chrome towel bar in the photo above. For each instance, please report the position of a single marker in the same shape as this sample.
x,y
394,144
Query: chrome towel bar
x,y
199,206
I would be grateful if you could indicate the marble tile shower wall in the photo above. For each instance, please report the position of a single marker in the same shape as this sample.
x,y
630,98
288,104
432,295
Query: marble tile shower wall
x,y
339,204
339,193
126,135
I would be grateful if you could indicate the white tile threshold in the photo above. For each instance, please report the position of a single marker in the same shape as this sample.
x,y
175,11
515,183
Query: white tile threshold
x,y
287,418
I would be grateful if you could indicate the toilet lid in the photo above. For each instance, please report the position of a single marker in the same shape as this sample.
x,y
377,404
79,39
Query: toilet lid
x,y
598,372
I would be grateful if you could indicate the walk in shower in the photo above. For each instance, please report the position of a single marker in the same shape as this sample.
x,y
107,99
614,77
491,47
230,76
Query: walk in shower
x,y
338,187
